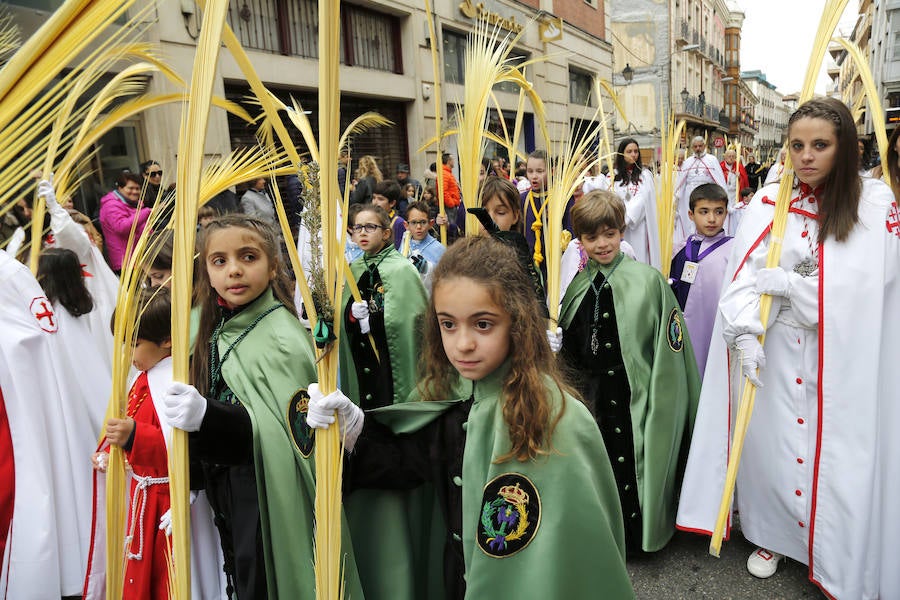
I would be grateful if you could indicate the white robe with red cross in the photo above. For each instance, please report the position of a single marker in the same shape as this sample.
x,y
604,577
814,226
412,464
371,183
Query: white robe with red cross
x,y
53,434
820,465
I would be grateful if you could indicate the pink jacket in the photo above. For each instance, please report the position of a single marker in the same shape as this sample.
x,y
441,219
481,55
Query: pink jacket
x,y
116,219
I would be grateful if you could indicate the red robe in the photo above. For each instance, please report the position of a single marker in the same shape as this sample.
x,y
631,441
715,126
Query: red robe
x,y
7,476
146,577
741,173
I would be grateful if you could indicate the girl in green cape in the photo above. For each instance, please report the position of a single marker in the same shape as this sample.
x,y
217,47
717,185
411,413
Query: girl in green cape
x,y
526,492
252,365
393,297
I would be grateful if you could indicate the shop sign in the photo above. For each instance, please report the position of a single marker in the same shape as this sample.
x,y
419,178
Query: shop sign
x,y
479,11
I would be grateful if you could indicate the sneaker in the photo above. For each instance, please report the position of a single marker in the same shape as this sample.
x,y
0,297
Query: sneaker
x,y
763,563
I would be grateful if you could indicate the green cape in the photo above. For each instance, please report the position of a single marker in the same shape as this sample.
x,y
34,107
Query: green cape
x,y
382,522
665,386
573,545
405,300
266,371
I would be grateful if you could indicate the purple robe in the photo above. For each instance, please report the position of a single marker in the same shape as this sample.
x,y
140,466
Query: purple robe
x,y
703,295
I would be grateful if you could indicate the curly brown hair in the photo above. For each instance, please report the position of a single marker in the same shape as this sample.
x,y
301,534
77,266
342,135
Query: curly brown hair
x,y
533,373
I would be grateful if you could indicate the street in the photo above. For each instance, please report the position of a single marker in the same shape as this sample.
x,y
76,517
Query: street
x,y
684,570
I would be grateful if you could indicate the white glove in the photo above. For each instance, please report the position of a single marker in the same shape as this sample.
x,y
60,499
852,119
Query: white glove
x,y
360,312
45,189
165,522
775,282
185,407
321,414
15,242
58,215
555,338
751,355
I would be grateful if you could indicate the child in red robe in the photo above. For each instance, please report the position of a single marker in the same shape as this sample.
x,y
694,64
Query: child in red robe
x,y
142,438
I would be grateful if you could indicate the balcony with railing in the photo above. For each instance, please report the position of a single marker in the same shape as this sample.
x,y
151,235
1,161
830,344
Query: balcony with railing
x,y
696,106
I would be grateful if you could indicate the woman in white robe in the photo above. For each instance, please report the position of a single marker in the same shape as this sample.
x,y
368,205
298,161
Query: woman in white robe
x,y
635,186
819,466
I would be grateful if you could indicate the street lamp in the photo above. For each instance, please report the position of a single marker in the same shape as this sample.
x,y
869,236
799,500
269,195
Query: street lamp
x,y
627,73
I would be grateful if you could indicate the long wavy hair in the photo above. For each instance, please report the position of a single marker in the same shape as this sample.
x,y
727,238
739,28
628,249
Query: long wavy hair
x,y
62,279
207,298
622,173
893,163
839,204
368,166
526,395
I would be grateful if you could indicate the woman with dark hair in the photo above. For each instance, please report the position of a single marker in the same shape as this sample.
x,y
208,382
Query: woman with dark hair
x,y
153,192
61,277
633,183
893,162
152,173
121,210
819,467
83,320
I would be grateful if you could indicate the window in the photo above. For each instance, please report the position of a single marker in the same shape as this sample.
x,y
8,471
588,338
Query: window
x,y
580,86
387,144
454,61
454,55
290,27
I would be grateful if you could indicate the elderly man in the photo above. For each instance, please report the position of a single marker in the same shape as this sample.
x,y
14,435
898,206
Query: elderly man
x,y
735,176
697,169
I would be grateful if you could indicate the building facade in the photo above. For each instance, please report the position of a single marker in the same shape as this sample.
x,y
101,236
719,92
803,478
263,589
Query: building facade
x,y
678,50
386,67
738,113
885,60
769,114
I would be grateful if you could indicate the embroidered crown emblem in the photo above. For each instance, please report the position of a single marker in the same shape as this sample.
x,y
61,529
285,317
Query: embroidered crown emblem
x,y
510,515
514,494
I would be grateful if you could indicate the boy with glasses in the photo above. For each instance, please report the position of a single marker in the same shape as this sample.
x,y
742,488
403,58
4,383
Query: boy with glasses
x,y
418,245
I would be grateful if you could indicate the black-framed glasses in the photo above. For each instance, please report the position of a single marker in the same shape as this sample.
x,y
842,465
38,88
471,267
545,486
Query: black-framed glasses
x,y
369,227
418,223
154,174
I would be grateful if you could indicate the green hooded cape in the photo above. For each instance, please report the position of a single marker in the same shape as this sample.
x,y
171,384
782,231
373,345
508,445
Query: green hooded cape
x,y
405,300
546,528
665,386
269,371
382,523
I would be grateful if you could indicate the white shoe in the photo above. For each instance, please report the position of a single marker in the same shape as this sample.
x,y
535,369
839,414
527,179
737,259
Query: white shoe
x,y
763,563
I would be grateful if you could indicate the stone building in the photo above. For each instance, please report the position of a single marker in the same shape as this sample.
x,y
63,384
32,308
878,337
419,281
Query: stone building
x,y
386,67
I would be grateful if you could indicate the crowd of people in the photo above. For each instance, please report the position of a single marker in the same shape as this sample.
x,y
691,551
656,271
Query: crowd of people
x,y
480,440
